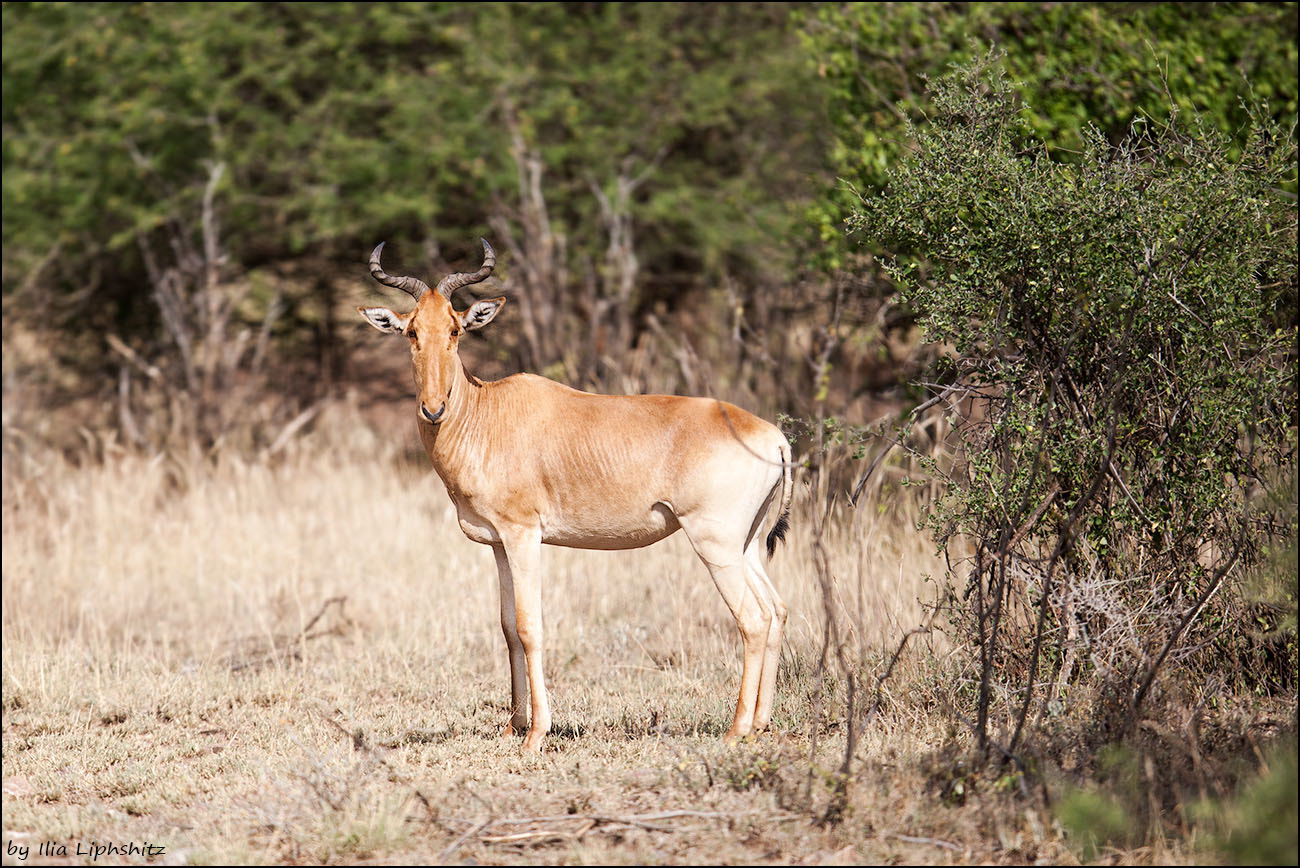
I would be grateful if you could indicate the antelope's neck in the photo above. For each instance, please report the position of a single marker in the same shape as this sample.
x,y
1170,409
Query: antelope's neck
x,y
459,446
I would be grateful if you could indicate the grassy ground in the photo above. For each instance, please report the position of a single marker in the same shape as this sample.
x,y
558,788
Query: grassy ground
x,y
302,663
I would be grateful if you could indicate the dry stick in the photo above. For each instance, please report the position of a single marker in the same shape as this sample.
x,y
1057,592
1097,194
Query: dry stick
x,y
857,489
588,823
640,818
992,612
981,713
988,641
1004,550
835,808
273,311
1029,523
830,631
124,407
593,821
838,803
892,443
1114,473
1219,575
124,387
913,415
913,839
442,857
889,669
520,837
286,434
303,635
331,601
119,346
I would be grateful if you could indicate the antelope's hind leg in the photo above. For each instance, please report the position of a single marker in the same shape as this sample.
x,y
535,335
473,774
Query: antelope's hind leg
x,y
762,586
751,608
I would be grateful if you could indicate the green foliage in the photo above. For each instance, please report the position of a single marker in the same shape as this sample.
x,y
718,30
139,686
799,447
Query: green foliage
x,y
1075,65
1275,585
342,124
1094,820
1254,825
1258,826
826,433
1125,328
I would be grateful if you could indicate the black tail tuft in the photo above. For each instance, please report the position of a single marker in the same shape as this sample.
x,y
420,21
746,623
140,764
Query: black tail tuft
x,y
778,533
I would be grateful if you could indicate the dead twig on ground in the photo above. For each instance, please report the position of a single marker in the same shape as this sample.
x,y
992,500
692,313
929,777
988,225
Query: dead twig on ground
x,y
258,651
914,839
553,828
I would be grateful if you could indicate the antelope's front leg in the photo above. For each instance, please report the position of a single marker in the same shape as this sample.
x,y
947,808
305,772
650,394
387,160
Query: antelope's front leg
x,y
523,552
518,666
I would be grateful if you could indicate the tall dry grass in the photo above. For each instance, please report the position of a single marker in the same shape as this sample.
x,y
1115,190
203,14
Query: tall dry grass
x,y
132,557
301,661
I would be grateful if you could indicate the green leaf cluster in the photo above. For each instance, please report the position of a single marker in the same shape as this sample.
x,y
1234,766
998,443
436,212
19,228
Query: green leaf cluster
x,y
1074,65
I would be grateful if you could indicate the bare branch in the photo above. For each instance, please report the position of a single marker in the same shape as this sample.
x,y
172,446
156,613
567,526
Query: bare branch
x,y
286,434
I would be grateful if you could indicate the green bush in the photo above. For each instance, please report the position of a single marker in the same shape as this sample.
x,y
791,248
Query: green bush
x,y
1123,334
1258,826
1254,825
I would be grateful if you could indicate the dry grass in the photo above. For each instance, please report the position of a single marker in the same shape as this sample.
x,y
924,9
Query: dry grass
x,y
174,672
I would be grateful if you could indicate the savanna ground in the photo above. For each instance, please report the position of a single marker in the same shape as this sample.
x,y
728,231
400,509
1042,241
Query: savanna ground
x,y
300,661
269,642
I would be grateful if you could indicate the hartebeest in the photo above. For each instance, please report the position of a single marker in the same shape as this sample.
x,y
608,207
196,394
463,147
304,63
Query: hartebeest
x,y
528,461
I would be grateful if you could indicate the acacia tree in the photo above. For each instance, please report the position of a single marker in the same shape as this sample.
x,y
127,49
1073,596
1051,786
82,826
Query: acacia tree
x,y
629,155
1122,387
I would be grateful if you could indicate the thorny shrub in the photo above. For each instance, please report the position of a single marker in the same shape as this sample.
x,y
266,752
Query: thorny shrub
x,y
1121,385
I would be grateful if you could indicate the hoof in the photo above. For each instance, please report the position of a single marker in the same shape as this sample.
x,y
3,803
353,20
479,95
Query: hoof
x,y
736,734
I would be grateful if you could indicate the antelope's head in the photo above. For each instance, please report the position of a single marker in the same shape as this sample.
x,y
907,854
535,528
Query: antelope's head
x,y
434,328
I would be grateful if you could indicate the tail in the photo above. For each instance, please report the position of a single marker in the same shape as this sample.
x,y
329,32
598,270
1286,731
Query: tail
x,y
777,533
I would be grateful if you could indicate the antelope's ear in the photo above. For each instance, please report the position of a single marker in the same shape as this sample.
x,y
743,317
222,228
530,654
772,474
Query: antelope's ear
x,y
480,313
384,319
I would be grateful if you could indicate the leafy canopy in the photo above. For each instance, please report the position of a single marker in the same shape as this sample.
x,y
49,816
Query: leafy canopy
x,y
1074,65
342,123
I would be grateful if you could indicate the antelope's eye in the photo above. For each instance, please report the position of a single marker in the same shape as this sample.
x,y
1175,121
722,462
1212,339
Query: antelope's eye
x,y
455,331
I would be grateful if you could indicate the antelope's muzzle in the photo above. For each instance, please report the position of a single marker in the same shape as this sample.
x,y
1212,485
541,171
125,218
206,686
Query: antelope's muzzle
x,y
432,418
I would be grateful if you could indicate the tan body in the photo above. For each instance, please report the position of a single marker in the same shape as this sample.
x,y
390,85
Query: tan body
x,y
528,461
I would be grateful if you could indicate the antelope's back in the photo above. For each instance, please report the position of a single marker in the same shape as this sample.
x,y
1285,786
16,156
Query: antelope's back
x,y
605,461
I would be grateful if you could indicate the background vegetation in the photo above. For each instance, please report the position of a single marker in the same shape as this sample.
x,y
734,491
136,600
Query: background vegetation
x,y
1031,315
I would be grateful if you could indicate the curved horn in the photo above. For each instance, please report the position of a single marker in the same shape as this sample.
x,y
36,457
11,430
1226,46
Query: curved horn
x,y
414,286
453,282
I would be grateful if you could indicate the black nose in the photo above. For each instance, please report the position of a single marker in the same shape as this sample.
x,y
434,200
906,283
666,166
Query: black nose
x,y
432,417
